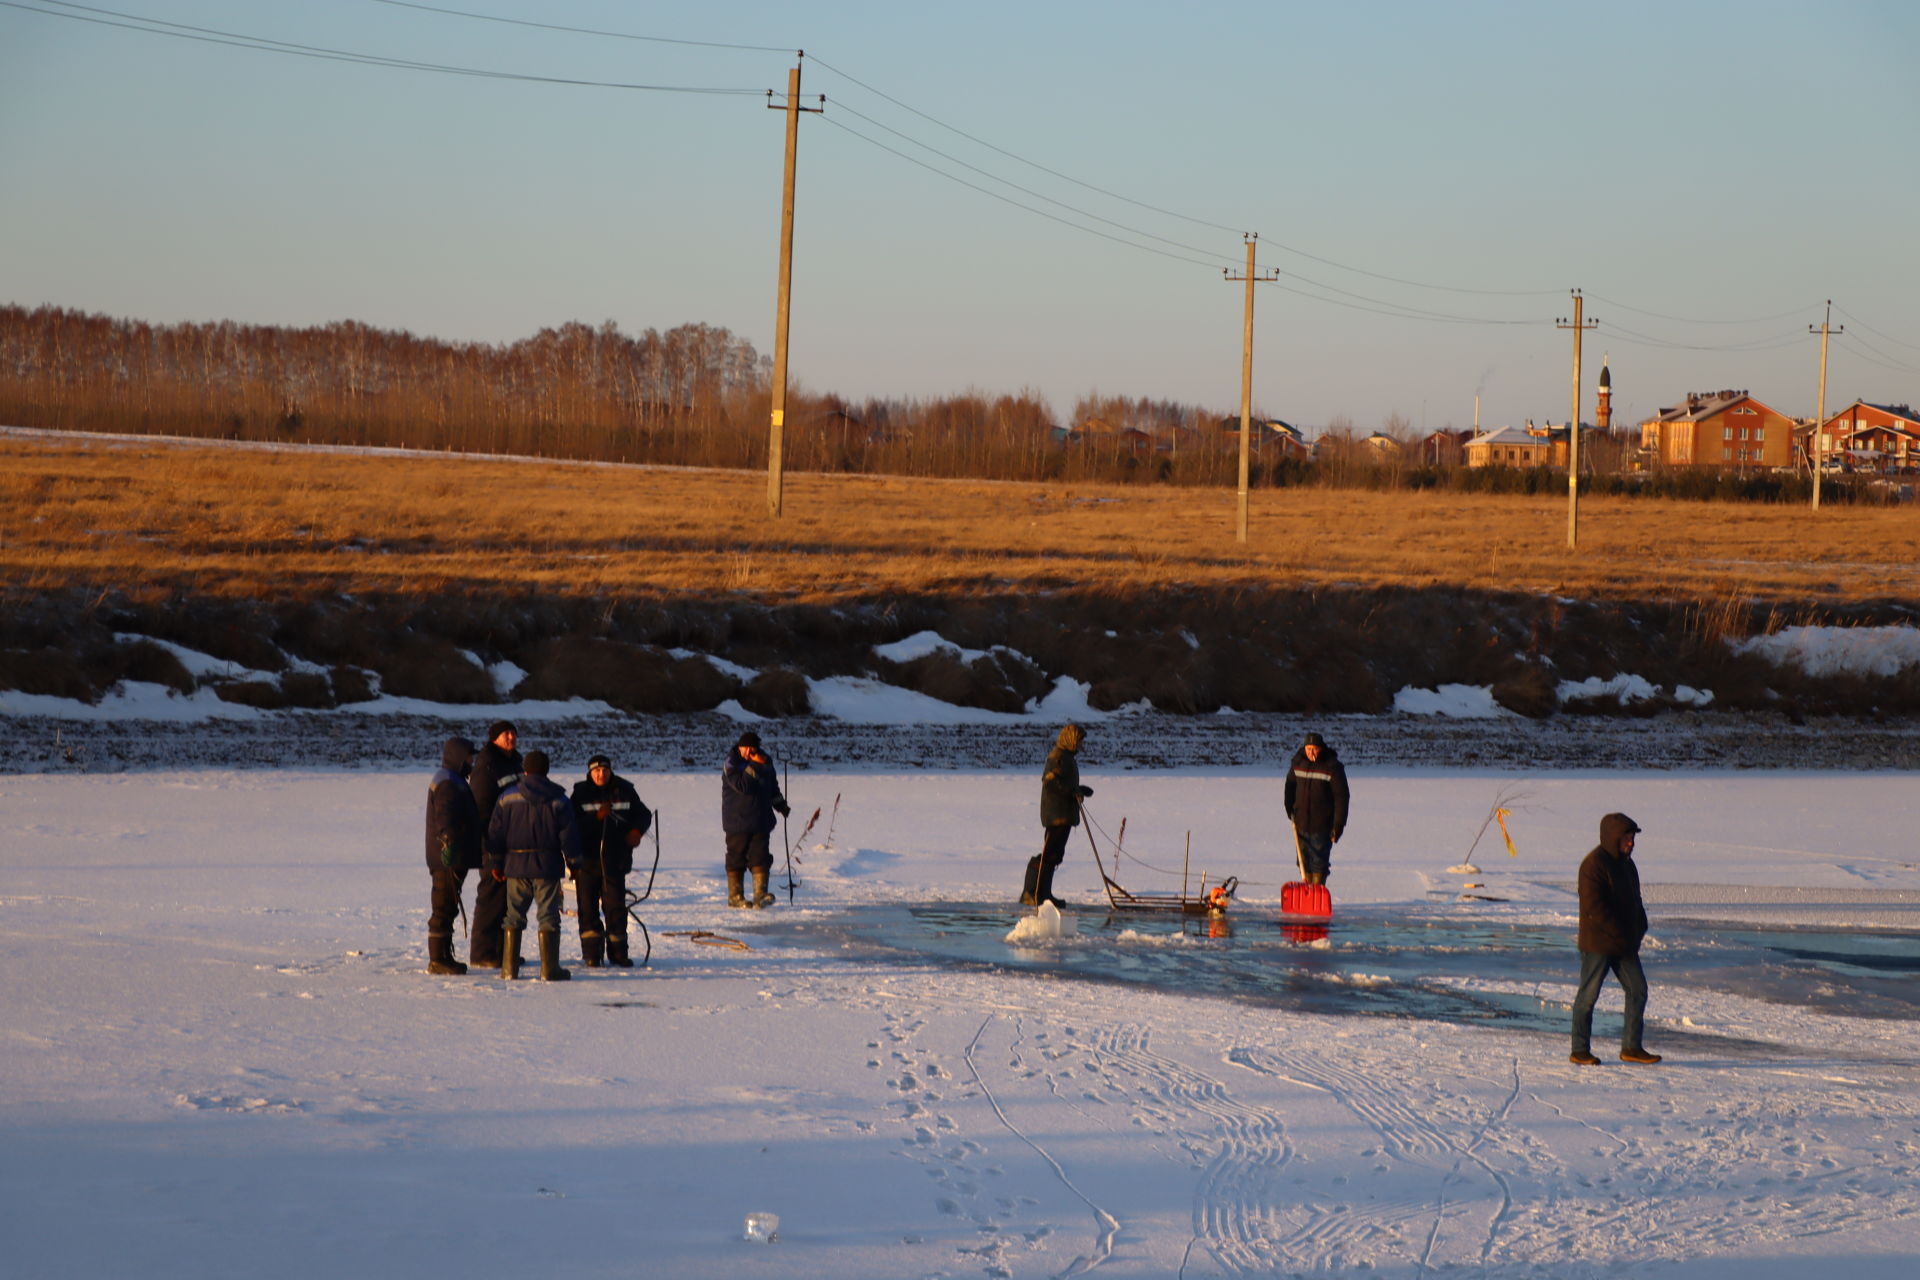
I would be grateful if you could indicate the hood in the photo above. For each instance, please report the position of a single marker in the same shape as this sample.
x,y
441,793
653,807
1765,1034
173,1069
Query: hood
x,y
456,754
1615,827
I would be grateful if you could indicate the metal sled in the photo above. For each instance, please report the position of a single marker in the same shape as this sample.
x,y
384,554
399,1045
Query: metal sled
x,y
1208,901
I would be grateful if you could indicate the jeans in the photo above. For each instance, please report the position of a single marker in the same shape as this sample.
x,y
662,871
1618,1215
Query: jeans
x,y
543,893
1633,985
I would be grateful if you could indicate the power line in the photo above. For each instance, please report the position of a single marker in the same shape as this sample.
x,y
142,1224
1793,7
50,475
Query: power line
x,y
584,31
263,44
1886,361
1661,315
1898,342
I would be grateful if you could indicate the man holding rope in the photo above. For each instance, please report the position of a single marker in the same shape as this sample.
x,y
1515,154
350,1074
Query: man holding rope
x,y
611,819
1060,797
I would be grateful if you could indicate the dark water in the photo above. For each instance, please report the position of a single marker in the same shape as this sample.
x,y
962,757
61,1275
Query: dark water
x,y
1400,962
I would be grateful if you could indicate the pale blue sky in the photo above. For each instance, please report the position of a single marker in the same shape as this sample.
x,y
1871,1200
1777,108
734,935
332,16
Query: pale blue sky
x,y
1704,161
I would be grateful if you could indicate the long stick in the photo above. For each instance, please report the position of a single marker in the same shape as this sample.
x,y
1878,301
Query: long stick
x,y
787,781
1299,857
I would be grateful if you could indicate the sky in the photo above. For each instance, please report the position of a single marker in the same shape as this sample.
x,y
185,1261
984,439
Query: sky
x,y
1012,196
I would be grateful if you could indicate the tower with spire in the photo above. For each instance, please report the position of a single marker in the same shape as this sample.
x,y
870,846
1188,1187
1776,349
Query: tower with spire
x,y
1603,404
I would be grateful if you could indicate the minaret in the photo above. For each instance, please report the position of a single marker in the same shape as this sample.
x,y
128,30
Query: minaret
x,y
1603,405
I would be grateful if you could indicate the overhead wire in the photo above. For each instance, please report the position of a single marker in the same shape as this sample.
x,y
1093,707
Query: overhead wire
x,y
210,35
1898,342
585,31
1661,315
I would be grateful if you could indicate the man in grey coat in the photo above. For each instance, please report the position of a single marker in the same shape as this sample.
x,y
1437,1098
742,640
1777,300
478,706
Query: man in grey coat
x,y
1613,920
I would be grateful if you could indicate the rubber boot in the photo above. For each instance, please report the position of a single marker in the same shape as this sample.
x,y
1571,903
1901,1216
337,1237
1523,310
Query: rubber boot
x,y
510,956
550,969
590,950
617,951
736,896
1030,887
1043,892
761,898
440,956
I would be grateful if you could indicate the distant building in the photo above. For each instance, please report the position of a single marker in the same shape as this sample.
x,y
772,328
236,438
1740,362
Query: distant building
x,y
1509,447
1718,429
1444,448
1872,437
1271,435
1382,445
1603,403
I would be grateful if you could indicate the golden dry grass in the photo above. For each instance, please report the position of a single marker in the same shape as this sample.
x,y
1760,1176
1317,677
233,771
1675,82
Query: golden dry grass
x,y
149,517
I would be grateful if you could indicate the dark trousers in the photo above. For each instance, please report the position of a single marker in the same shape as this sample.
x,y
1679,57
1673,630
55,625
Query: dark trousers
x,y
445,902
1040,868
594,893
1633,985
489,911
1316,854
749,852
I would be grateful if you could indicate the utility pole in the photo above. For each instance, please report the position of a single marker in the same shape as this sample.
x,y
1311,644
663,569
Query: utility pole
x,y
776,431
1252,277
1573,424
1814,439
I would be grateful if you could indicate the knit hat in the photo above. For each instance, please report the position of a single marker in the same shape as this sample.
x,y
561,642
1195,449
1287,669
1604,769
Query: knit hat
x,y
597,761
1315,740
535,764
499,727
749,739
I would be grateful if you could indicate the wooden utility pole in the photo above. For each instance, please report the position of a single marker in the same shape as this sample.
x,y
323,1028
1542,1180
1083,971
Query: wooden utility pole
x,y
1573,424
1815,450
776,430
1252,277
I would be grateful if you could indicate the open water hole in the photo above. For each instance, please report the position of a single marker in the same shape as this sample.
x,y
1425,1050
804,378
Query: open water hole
x,y
1396,962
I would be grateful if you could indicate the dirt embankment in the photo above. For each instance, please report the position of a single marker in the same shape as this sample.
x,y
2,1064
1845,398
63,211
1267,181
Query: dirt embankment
x,y
1183,651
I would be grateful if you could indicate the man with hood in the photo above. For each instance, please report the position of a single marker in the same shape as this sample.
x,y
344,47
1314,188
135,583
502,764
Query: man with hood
x,y
749,799
1613,920
453,849
496,768
1060,797
1316,801
530,842
611,820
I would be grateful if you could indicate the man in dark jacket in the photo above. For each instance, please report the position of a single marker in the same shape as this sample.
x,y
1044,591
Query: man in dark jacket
x,y
1316,801
496,768
611,820
1613,920
453,849
1060,797
749,797
530,843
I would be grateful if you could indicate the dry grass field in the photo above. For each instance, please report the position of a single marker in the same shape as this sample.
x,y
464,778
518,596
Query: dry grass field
x,y
152,518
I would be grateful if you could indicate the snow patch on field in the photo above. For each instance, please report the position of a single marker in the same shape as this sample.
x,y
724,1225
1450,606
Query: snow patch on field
x,y
1830,651
1460,701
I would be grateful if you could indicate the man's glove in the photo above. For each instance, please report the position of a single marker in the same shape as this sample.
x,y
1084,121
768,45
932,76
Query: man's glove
x,y
1085,792
603,811
498,875
633,838
780,807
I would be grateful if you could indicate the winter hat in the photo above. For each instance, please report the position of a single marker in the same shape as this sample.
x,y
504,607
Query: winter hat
x,y
749,739
1071,737
535,764
599,760
1315,740
499,727
456,751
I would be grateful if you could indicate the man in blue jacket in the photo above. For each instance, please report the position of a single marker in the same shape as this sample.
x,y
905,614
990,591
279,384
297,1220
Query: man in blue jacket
x,y
749,797
530,841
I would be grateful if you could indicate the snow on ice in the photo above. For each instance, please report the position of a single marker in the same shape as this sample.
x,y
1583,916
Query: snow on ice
x,y
223,1055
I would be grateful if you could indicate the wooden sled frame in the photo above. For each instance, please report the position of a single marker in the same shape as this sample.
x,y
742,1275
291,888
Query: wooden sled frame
x,y
1119,898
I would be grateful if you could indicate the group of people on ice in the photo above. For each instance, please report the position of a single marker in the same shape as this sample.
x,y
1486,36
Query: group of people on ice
x,y
497,812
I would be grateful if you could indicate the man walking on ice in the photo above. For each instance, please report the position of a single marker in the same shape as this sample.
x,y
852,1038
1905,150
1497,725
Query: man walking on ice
x,y
1316,802
1613,920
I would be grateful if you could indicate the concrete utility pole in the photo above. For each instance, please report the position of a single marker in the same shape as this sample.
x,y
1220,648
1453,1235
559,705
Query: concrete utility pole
x,y
1573,424
1816,451
1252,278
776,431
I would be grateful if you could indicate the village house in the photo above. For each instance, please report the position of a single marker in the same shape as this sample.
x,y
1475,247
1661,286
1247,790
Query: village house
x,y
1871,437
1718,429
1509,447
1444,448
1271,436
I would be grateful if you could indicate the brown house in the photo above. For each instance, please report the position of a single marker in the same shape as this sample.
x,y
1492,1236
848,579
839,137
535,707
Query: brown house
x,y
1719,429
1444,448
1876,437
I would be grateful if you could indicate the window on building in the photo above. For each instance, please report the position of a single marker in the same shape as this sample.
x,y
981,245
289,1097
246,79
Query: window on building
x,y
1729,431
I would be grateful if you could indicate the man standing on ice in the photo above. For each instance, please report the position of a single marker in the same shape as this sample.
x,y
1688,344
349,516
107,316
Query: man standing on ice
x,y
531,840
453,849
611,820
1613,920
1316,801
1060,797
749,797
495,769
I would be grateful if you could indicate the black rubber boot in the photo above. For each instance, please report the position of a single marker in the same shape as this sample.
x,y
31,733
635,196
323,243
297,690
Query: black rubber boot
x,y
761,898
510,956
617,951
1043,891
440,956
590,950
736,896
1030,888
550,969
